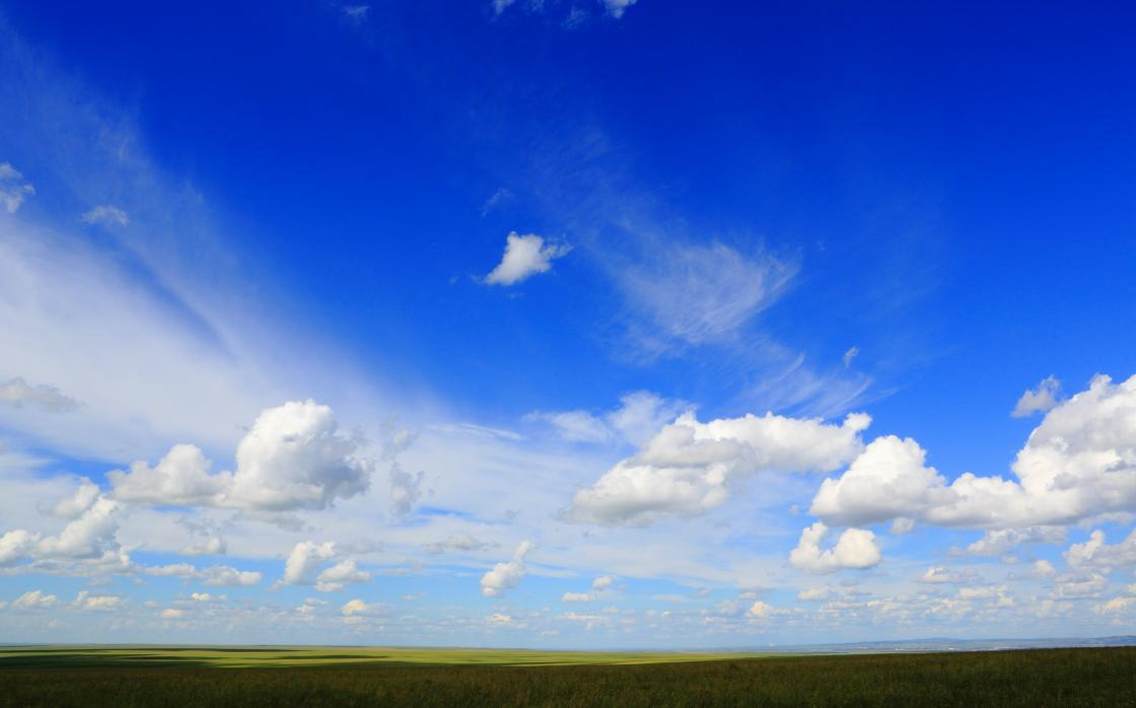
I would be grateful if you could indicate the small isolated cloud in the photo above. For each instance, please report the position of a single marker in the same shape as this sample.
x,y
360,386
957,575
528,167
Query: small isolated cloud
x,y
18,393
104,603
106,215
759,610
616,8
358,608
34,600
1039,400
337,576
506,575
576,597
856,548
500,6
356,14
938,575
13,188
525,256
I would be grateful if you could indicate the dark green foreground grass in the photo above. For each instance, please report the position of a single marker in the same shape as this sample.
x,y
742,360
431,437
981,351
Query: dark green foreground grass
x,y
1060,677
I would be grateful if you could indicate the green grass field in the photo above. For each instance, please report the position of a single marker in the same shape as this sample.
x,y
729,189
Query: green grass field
x,y
350,676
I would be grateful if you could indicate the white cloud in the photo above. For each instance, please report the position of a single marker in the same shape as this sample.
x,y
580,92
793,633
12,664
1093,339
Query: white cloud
x,y
856,548
1044,569
13,188
88,536
1096,554
82,499
1077,464
86,601
106,215
293,457
358,608
686,468
938,574
997,542
181,478
639,416
524,257
215,576
304,560
16,544
616,8
356,13
506,575
337,576
211,546
759,610
1039,400
19,393
700,294
33,600
576,597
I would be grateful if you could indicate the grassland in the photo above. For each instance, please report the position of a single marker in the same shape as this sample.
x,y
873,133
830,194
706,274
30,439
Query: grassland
x,y
152,676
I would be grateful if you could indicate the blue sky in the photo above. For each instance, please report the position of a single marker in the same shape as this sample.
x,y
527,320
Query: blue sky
x,y
562,323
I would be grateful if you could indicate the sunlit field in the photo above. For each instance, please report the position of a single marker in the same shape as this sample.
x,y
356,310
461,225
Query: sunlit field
x,y
349,676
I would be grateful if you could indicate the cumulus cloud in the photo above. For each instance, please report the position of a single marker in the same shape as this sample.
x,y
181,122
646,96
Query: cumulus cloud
x,y
211,546
759,610
687,467
576,597
358,608
34,600
216,576
1079,463
106,215
181,478
1038,400
1096,554
1000,541
293,457
88,536
339,575
18,393
305,558
506,575
104,603
856,548
524,257
82,499
16,544
14,189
